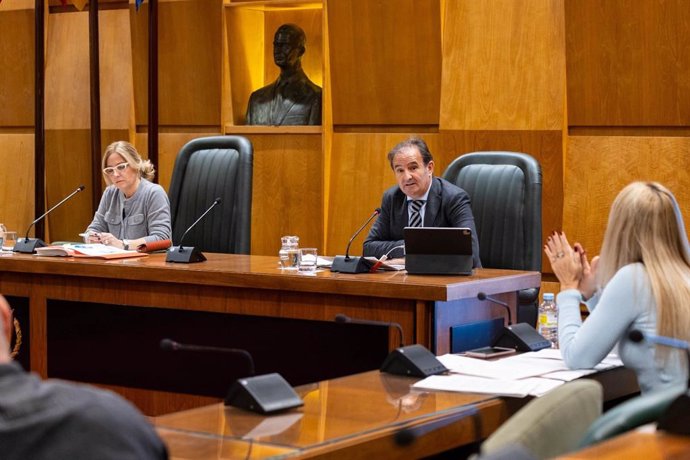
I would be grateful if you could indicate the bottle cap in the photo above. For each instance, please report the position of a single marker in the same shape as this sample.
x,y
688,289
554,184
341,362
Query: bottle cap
x,y
548,296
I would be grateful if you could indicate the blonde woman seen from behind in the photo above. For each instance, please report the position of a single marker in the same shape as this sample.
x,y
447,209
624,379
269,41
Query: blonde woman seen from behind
x,y
641,281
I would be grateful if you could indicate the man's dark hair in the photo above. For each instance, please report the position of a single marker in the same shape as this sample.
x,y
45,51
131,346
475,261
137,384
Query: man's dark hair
x,y
412,142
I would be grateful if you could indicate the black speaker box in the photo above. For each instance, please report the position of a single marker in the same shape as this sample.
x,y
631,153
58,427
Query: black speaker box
x,y
522,337
412,360
343,264
184,255
264,394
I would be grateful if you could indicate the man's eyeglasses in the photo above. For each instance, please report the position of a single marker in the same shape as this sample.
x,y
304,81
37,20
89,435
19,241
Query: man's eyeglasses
x,y
120,168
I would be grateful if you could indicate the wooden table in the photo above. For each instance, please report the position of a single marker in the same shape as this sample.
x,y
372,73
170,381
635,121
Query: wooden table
x,y
350,417
357,416
86,320
636,445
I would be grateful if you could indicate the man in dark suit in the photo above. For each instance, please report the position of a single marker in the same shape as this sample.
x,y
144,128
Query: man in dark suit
x,y
292,99
419,200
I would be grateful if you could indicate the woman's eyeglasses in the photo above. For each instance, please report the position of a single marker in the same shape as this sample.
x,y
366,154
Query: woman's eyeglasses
x,y
120,168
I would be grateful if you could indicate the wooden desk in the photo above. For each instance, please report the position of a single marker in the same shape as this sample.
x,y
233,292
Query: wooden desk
x,y
636,444
87,322
350,417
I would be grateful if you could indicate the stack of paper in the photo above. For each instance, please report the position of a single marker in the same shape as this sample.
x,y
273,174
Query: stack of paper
x,y
534,373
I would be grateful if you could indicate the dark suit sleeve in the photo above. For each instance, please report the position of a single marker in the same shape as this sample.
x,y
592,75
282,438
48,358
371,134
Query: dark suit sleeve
x,y
458,211
379,241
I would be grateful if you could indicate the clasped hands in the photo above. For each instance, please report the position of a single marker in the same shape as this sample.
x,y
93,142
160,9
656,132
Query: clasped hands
x,y
571,265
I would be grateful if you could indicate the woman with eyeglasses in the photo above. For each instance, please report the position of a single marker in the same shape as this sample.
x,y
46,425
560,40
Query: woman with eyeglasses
x,y
132,210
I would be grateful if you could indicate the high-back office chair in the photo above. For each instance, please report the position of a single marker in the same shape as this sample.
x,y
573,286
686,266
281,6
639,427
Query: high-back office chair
x,y
205,169
552,424
505,189
630,414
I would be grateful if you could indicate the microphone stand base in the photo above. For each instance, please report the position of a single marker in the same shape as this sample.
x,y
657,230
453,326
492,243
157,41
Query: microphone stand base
x,y
184,255
264,394
344,264
28,245
413,361
522,337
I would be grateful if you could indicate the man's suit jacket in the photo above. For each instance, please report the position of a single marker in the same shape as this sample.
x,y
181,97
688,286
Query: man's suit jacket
x,y
447,206
299,103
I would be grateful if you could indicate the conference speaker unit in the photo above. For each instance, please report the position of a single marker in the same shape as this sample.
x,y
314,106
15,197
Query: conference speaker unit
x,y
522,337
264,394
414,361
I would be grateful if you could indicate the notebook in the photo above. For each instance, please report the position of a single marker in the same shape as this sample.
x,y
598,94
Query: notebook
x,y
438,251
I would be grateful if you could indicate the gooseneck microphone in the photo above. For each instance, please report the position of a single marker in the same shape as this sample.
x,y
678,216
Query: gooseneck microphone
x,y
28,245
341,318
482,296
171,345
675,418
521,336
347,264
264,394
639,336
191,254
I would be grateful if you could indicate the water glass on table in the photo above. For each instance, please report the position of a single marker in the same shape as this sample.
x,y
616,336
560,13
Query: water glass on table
x,y
308,258
9,240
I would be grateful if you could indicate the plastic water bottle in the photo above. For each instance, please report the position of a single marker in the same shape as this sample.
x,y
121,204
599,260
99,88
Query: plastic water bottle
x,y
548,319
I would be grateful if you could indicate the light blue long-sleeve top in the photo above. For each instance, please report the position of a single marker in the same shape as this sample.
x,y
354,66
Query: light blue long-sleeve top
x,y
625,303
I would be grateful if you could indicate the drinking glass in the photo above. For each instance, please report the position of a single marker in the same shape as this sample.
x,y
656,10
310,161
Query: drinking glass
x,y
10,240
308,259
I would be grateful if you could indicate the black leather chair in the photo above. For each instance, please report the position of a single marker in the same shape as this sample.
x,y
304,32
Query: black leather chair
x,y
207,168
505,188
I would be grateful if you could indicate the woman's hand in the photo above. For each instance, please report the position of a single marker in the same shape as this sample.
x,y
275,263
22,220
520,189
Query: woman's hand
x,y
588,283
109,240
565,261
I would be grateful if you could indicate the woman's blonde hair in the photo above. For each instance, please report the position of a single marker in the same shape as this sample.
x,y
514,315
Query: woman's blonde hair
x,y
645,225
129,153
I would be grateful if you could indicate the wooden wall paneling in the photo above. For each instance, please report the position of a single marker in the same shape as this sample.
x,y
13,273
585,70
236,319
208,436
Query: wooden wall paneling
x,y
67,72
245,32
503,65
17,184
116,77
545,146
598,167
359,175
17,70
190,62
68,165
628,62
385,61
287,196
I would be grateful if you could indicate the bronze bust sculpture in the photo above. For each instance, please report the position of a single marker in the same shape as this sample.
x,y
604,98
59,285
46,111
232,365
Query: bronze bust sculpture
x,y
292,99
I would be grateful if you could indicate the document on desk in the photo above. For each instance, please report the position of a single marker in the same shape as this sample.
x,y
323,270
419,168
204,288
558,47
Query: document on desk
x,y
499,368
470,384
529,373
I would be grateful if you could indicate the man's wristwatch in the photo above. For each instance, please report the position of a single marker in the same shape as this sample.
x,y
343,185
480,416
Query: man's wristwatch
x,y
125,245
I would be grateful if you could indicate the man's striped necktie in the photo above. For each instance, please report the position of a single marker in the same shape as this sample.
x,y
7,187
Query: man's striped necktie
x,y
415,216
